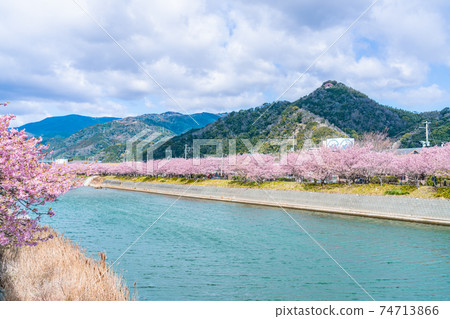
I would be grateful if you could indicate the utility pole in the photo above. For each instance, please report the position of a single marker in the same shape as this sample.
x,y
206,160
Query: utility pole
x,y
294,135
427,142
185,151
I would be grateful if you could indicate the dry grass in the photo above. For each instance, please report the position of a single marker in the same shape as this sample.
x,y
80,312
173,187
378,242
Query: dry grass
x,y
57,270
360,189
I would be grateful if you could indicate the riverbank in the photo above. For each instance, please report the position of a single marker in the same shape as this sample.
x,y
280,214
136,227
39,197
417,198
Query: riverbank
x,y
57,270
212,250
356,189
428,210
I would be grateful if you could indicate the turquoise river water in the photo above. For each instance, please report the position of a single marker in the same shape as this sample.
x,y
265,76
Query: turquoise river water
x,y
206,250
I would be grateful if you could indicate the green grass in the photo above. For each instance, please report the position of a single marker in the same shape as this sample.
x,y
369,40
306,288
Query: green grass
x,y
186,180
443,192
318,186
396,191
245,183
358,189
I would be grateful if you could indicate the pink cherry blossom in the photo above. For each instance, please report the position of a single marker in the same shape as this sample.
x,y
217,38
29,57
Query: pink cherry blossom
x,y
26,184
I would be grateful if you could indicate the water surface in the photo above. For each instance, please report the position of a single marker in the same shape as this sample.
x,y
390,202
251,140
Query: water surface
x,y
207,250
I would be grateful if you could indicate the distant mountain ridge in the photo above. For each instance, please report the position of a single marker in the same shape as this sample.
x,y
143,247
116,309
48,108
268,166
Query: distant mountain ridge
x,y
62,126
107,141
102,142
177,122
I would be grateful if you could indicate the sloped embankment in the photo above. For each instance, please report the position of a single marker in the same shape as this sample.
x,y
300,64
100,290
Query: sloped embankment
x,y
57,270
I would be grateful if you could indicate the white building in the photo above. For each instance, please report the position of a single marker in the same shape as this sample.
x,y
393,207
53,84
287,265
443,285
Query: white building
x,y
61,161
340,142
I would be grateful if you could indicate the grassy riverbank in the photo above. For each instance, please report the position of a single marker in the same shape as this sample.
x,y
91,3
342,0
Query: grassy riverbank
x,y
359,189
57,270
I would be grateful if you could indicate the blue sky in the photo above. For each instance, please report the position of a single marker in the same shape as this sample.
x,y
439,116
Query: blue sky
x,y
217,56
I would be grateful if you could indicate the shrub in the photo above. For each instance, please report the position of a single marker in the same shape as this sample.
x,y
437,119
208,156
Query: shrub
x,y
396,191
285,179
439,180
443,192
387,179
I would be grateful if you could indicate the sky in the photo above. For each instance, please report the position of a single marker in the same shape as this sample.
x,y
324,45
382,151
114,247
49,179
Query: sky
x,y
216,56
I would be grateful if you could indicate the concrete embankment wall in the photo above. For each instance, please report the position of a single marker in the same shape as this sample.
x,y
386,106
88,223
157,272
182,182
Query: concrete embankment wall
x,y
433,211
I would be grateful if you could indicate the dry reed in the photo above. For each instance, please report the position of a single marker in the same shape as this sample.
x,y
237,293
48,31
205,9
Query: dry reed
x,y
57,270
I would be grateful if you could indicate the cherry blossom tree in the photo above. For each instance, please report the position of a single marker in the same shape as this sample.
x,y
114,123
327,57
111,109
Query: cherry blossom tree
x,y
360,161
26,184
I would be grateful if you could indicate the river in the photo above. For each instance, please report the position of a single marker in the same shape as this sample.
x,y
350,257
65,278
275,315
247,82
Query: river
x,y
206,250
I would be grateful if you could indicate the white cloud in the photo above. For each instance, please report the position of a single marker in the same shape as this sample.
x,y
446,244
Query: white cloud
x,y
410,28
419,98
216,56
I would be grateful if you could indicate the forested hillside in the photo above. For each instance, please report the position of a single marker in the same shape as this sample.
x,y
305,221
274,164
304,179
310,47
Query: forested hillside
x,y
280,120
177,122
354,112
439,129
332,110
105,142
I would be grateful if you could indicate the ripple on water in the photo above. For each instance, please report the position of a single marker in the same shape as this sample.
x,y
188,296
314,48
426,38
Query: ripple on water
x,y
205,250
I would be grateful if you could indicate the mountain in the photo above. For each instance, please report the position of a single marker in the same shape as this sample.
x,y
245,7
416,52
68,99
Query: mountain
x,y
103,142
107,142
356,114
332,110
269,121
439,123
353,111
62,126
177,122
